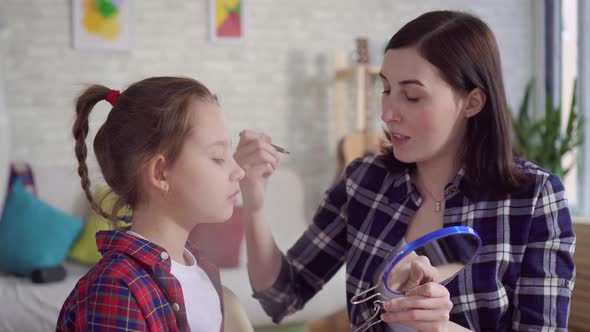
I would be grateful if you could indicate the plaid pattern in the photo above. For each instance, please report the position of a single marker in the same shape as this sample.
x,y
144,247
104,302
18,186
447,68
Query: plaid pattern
x,y
130,289
521,280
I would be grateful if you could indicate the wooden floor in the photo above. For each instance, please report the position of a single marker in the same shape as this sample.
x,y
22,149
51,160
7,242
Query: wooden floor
x,y
335,323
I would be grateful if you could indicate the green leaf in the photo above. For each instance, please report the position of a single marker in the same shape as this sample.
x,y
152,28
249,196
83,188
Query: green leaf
x,y
541,138
523,110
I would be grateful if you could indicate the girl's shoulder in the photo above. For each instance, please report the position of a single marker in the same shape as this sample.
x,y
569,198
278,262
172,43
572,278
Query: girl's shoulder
x,y
114,269
114,284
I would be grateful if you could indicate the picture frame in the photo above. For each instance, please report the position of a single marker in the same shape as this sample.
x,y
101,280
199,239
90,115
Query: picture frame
x,y
101,24
227,21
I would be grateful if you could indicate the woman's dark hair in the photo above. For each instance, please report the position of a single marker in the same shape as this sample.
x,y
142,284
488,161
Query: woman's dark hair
x,y
464,50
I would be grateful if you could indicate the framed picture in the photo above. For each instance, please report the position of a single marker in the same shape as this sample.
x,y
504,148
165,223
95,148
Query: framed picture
x,y
227,20
101,24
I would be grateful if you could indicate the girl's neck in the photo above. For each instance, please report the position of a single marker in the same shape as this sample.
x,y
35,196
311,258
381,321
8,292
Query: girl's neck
x,y
162,230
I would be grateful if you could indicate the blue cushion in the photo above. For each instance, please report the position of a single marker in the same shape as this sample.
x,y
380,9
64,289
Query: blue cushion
x,y
34,234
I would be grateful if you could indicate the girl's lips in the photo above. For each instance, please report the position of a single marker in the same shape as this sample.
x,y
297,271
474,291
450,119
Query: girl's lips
x,y
234,195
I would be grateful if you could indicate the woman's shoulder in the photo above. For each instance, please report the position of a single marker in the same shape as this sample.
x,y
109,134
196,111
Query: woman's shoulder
x,y
530,168
375,166
371,176
538,177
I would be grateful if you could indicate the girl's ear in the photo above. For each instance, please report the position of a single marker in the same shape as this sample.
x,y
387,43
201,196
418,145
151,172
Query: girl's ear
x,y
474,102
156,173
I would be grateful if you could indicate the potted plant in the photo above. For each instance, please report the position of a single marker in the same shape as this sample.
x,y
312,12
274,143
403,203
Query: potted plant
x,y
541,139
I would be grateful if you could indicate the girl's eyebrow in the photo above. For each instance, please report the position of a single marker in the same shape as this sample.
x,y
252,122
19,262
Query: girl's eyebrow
x,y
222,143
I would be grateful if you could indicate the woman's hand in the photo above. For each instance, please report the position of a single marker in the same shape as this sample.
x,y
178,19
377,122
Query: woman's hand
x,y
412,271
259,159
426,308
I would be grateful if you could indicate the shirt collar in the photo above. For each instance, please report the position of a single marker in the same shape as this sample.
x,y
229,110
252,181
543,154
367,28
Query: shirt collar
x,y
144,251
403,185
148,253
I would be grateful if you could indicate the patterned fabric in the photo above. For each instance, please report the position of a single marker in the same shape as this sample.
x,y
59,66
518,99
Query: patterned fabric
x,y
521,280
22,171
130,289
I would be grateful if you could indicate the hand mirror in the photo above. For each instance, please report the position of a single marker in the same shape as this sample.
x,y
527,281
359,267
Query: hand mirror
x,y
438,256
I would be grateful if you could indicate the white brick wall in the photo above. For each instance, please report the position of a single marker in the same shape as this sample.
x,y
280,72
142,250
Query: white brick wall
x,y
277,81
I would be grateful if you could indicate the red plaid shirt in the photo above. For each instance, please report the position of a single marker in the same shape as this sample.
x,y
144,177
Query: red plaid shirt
x,y
130,289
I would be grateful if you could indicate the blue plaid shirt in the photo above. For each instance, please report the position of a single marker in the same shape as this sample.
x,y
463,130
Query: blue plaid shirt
x,y
521,280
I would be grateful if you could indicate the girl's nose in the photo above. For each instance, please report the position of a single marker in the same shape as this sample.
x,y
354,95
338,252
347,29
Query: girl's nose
x,y
238,174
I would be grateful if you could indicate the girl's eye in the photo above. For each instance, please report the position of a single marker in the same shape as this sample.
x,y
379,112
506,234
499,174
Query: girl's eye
x,y
386,92
412,100
219,160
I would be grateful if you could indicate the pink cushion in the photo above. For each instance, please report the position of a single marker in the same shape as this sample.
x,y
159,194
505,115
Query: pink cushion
x,y
221,243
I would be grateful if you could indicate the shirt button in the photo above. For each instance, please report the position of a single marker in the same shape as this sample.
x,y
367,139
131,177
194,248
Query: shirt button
x,y
164,255
175,306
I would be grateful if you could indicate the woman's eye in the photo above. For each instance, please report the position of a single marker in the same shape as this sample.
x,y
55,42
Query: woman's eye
x,y
219,160
386,92
412,100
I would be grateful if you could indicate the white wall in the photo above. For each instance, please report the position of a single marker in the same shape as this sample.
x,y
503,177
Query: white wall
x,y
278,81
4,127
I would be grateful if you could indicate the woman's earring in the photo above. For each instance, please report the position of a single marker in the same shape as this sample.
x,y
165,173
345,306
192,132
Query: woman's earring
x,y
164,186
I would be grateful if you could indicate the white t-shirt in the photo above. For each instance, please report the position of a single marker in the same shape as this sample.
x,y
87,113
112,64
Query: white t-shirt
x,y
203,309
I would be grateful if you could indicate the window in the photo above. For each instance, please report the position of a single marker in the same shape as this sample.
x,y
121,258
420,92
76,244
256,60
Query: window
x,y
583,11
569,73
574,64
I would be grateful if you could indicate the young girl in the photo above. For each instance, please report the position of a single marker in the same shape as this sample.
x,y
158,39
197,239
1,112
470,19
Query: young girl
x,y
450,164
164,150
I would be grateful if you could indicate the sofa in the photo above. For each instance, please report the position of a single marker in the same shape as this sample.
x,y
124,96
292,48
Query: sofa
x,y
29,306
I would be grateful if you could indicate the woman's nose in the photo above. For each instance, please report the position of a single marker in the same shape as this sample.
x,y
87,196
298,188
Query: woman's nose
x,y
389,110
390,114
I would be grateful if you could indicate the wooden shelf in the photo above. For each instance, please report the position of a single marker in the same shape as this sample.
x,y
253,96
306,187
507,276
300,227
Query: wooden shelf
x,y
346,73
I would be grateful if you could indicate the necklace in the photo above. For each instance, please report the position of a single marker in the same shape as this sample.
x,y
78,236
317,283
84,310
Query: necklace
x,y
437,202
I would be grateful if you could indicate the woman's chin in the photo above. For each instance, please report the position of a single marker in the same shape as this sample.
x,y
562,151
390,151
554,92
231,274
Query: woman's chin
x,y
404,157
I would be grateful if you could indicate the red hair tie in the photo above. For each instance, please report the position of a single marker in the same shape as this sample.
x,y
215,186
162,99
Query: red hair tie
x,y
113,96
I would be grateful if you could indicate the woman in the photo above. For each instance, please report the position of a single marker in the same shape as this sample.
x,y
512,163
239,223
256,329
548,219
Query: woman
x,y
450,163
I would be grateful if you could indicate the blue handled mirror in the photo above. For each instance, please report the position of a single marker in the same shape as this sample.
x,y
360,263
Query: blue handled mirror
x,y
444,252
